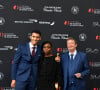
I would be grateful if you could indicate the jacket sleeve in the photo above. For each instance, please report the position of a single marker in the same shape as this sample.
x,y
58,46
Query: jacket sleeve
x,y
15,63
86,70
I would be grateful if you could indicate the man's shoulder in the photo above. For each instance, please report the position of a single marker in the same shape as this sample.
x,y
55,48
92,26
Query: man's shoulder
x,y
23,44
82,53
39,46
64,54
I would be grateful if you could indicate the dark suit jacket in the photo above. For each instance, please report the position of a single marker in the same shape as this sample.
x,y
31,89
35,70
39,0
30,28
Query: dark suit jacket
x,y
23,64
79,65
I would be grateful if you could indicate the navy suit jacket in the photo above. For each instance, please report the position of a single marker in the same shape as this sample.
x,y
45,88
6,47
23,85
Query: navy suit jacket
x,y
80,65
24,65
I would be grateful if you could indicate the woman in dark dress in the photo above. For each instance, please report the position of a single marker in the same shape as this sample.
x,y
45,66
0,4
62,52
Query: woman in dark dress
x,y
48,68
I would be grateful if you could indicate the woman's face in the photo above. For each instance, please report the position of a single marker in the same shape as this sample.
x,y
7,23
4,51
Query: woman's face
x,y
47,48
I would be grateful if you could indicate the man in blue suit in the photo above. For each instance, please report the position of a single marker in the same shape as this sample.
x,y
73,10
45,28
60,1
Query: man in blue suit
x,y
75,67
25,64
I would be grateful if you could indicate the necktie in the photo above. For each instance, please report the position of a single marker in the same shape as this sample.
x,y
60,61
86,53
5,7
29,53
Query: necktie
x,y
71,57
33,51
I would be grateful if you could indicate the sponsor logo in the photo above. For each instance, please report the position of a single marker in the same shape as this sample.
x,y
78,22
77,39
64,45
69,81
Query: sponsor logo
x,y
97,37
92,51
96,88
75,10
59,50
45,22
4,48
8,35
94,64
52,9
1,75
82,37
2,20
94,76
31,21
93,11
6,88
73,23
1,7
59,36
96,24
1,62
2,34
22,8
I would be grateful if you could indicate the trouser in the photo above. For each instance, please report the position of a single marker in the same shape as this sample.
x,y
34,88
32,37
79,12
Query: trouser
x,y
25,85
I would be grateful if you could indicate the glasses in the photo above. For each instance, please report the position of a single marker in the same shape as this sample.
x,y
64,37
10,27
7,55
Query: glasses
x,y
47,47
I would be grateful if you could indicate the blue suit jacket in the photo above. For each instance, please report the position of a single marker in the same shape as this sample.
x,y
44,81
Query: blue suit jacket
x,y
23,64
80,65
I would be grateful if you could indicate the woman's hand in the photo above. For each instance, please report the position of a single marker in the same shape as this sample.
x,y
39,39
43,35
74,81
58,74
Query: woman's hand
x,y
13,83
57,58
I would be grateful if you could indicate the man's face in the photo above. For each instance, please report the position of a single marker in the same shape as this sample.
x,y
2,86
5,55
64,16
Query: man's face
x,y
35,38
71,45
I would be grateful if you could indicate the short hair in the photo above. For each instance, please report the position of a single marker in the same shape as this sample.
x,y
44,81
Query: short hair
x,y
71,38
46,42
36,31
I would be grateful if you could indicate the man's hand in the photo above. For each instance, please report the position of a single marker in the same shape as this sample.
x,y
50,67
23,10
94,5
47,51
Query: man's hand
x,y
57,59
13,83
78,75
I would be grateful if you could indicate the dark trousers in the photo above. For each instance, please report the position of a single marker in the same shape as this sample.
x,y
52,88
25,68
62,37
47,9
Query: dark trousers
x,y
75,87
25,85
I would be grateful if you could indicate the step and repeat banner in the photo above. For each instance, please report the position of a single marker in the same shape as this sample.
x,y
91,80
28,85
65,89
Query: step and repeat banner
x,y
57,20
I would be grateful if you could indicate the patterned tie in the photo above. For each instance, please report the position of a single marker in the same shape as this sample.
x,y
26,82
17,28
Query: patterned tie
x,y
33,52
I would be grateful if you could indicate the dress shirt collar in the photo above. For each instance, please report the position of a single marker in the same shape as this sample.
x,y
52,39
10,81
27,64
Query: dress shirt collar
x,y
31,46
74,54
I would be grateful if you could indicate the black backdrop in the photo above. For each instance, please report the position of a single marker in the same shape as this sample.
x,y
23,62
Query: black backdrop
x,y
57,20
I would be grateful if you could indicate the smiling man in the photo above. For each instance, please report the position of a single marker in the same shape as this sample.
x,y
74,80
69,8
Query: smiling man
x,y
25,64
75,67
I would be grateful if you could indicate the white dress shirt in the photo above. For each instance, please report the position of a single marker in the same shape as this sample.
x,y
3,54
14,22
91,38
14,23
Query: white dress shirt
x,y
31,47
74,54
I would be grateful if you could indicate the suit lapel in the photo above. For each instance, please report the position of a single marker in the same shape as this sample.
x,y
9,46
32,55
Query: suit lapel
x,y
37,50
77,58
28,49
65,66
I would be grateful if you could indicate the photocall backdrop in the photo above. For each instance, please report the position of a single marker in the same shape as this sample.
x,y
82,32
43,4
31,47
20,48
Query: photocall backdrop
x,y
57,20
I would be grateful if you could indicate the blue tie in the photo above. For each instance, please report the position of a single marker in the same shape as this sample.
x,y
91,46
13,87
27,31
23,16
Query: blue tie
x,y
71,57
69,61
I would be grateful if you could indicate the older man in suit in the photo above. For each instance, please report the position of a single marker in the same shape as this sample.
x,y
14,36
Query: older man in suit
x,y
25,64
75,67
